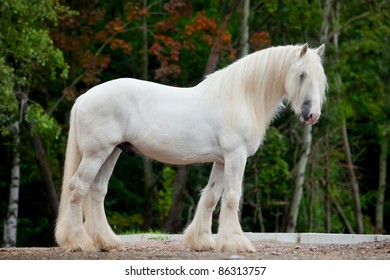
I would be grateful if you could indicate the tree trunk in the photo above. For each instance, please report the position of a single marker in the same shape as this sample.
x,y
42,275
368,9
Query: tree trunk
x,y
328,201
353,181
342,216
311,198
217,46
173,222
11,222
382,184
47,177
307,136
326,12
145,59
148,193
149,182
244,44
258,208
299,180
379,207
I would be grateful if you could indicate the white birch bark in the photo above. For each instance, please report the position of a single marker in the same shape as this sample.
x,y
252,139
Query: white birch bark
x,y
299,179
307,138
11,222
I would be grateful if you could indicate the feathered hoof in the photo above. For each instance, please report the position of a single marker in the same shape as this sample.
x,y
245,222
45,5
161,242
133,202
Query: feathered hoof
x,y
109,244
74,239
198,241
119,248
80,245
236,243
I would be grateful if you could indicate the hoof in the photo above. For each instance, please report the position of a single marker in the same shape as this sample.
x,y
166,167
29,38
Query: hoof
x,y
198,241
237,243
110,245
79,246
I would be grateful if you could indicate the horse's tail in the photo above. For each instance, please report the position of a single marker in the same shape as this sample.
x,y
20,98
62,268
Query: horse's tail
x,y
72,161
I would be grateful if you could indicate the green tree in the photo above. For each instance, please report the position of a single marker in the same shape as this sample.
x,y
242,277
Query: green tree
x,y
25,48
363,85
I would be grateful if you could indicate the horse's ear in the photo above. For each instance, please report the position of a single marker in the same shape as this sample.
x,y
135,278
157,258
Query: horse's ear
x,y
304,49
321,49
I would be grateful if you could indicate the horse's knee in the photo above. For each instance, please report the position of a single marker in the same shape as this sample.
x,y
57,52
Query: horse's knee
x,y
212,194
98,192
78,190
231,200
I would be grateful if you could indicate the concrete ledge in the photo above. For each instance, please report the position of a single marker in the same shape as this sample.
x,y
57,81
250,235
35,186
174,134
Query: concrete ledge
x,y
299,238
317,238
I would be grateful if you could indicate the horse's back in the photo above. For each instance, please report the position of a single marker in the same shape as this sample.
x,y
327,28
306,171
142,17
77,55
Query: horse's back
x,y
165,123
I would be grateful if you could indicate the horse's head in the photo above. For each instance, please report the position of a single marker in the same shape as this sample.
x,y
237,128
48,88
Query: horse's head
x,y
305,84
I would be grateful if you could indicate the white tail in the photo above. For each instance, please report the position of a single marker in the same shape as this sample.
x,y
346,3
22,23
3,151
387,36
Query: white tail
x,y
72,161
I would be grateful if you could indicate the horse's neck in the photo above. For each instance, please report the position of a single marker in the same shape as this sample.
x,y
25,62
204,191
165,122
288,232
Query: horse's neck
x,y
266,81
252,86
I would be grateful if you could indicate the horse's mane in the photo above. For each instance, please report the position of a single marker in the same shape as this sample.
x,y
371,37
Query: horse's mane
x,y
256,80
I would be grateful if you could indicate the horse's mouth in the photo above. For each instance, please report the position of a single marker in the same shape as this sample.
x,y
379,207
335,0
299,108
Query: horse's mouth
x,y
311,119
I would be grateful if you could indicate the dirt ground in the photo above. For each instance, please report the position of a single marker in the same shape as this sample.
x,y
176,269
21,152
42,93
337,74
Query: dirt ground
x,y
160,249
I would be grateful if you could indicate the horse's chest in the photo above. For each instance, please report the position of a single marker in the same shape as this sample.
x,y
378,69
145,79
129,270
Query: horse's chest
x,y
253,147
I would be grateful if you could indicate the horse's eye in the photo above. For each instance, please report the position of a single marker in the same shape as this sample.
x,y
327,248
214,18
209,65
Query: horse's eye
x,y
302,76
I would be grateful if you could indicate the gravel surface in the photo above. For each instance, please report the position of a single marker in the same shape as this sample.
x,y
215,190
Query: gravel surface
x,y
160,249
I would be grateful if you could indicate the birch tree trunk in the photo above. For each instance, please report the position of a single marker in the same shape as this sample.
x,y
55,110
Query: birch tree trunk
x,y
244,44
11,222
299,179
307,137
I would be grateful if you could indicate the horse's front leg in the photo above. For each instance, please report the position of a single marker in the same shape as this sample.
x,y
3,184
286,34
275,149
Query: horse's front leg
x,y
198,234
230,236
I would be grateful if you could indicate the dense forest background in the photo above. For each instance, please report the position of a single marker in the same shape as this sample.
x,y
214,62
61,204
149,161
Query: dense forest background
x,y
331,177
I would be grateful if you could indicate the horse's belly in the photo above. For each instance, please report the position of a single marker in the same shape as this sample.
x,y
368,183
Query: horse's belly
x,y
179,154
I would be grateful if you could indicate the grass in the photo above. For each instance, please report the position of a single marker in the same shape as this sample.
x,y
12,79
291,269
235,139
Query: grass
x,y
151,231
137,231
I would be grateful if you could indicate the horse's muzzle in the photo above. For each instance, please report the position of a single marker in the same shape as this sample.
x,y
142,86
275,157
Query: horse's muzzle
x,y
308,116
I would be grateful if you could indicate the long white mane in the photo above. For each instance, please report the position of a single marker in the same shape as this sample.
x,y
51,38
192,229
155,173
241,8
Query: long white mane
x,y
255,81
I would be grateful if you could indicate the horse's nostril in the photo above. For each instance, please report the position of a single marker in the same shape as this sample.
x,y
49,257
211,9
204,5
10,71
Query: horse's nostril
x,y
306,108
312,118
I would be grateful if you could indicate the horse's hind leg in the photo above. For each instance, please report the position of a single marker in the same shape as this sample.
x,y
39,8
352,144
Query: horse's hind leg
x,y
95,218
71,233
198,234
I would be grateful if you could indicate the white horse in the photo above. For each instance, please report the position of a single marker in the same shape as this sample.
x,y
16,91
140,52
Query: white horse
x,y
221,120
